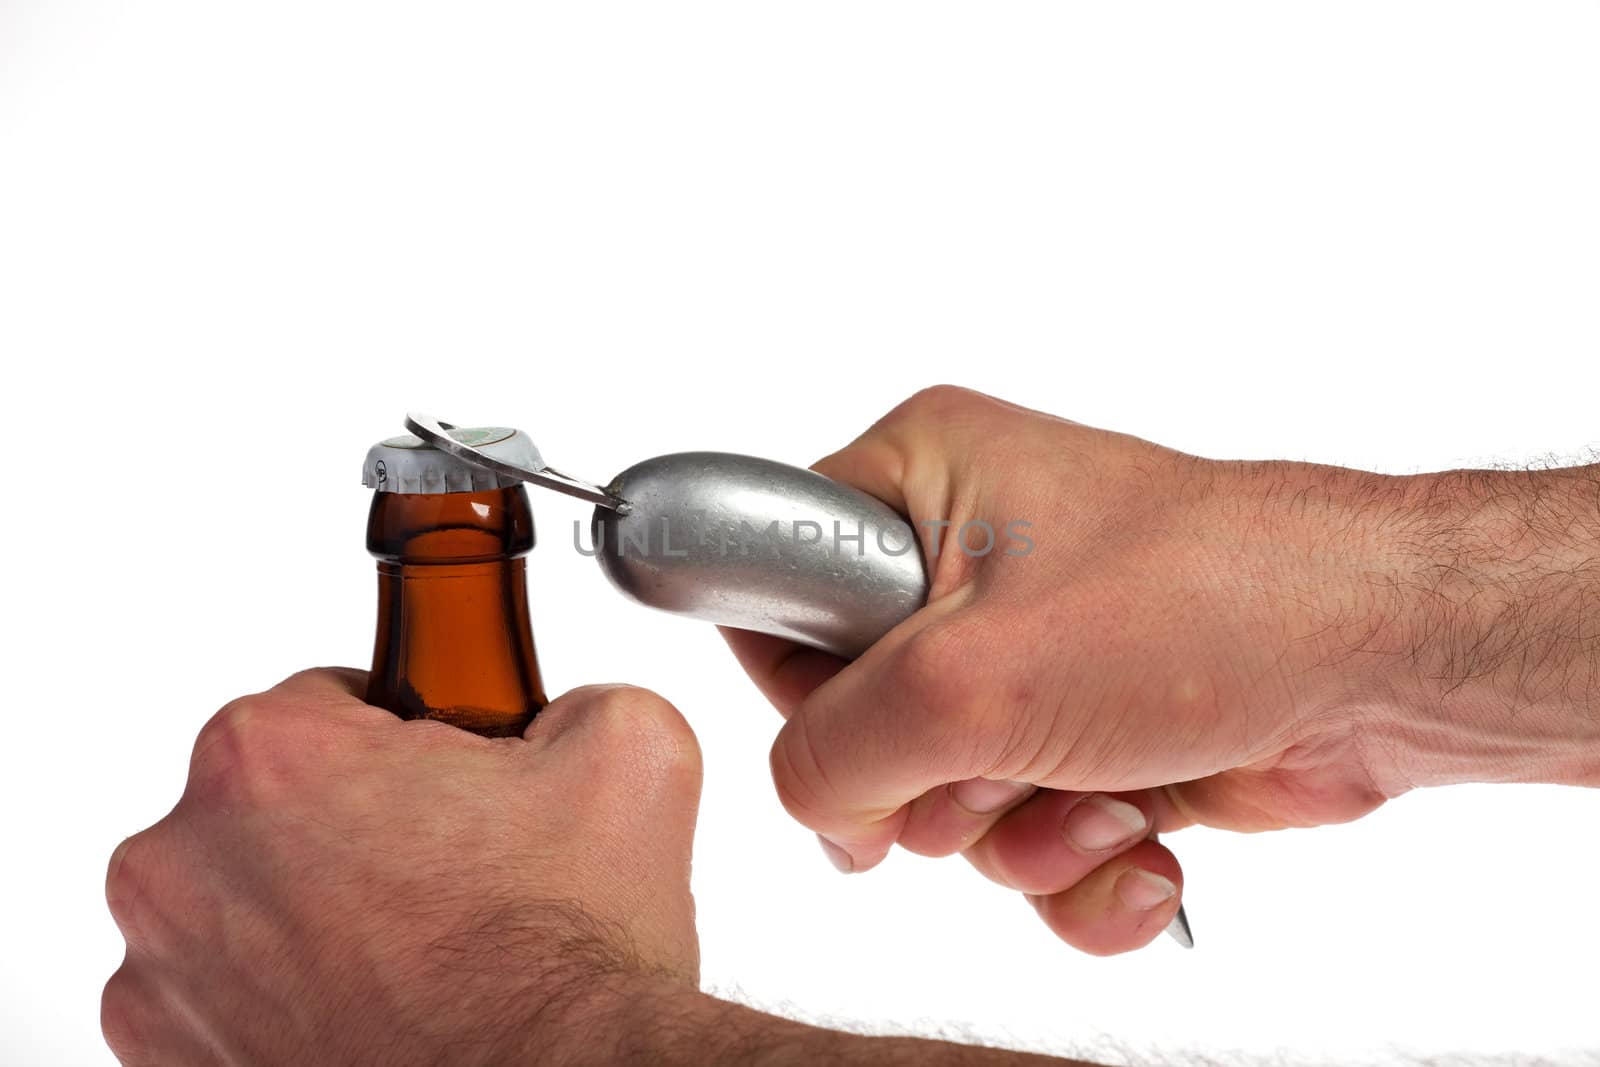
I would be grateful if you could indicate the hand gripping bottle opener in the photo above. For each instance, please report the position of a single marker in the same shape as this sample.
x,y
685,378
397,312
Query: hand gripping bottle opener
x,y
740,541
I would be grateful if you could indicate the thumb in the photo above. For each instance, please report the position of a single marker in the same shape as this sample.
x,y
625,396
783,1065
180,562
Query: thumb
x,y
618,743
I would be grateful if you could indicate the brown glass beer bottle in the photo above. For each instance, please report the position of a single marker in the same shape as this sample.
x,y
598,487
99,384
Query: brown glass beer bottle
x,y
453,642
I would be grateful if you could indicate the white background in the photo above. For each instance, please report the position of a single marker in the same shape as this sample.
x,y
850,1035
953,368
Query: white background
x,y
238,241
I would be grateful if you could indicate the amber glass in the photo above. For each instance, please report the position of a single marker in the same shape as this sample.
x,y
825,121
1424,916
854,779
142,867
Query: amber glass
x,y
454,642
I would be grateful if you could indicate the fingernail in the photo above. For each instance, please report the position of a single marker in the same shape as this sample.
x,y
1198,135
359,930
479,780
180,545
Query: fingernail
x,y
981,796
837,856
1142,890
1099,822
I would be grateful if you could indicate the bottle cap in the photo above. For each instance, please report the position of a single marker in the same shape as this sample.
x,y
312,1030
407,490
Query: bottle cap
x,y
408,464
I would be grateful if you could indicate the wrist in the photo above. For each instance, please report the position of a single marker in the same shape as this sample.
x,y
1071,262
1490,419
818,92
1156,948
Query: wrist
x,y
676,1026
557,985
1453,618
621,1016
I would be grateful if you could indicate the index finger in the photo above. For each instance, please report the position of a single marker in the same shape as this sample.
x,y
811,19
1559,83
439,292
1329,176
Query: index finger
x,y
306,703
337,694
324,694
339,684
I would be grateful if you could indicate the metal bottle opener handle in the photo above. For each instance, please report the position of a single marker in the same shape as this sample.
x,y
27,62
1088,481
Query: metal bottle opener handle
x,y
758,545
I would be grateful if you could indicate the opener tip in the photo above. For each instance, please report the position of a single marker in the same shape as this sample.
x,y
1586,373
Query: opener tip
x,y
1179,929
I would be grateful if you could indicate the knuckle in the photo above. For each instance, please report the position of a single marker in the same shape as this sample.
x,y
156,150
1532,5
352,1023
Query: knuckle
x,y
650,731
238,752
231,718
935,401
312,674
122,1012
316,691
127,889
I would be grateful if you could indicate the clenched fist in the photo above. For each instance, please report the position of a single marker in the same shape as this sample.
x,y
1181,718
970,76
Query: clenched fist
x,y
339,886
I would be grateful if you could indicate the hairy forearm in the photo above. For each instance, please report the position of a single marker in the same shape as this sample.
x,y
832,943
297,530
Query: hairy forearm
x,y
1503,600
672,1027
1458,614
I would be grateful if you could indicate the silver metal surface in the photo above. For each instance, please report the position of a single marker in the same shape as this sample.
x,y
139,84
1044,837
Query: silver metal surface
x,y
758,545
537,472
1179,929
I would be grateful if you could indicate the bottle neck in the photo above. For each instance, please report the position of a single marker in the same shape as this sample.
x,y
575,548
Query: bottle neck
x,y
450,528
454,641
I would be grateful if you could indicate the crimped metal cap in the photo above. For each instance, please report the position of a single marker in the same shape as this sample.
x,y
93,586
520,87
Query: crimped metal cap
x,y
407,464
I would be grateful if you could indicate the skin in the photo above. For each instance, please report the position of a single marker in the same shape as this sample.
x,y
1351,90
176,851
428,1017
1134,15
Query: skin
x,y
336,884
1244,645
1249,646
